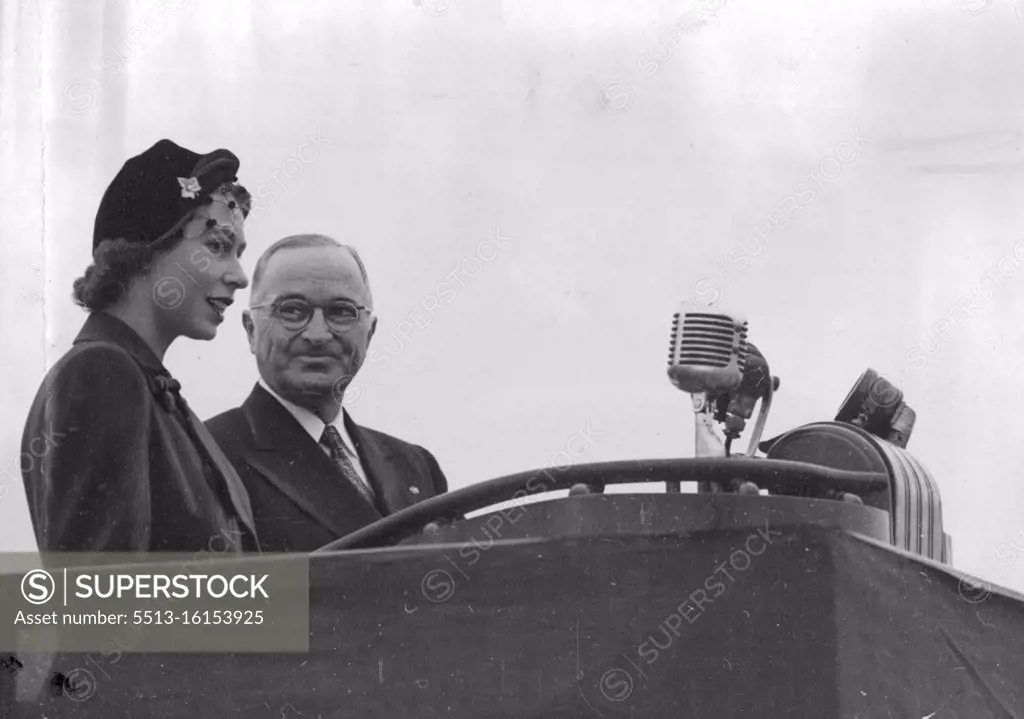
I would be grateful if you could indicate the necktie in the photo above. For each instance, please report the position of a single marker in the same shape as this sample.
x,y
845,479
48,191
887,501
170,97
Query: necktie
x,y
332,440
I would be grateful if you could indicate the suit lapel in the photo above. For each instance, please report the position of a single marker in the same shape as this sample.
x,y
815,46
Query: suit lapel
x,y
384,470
294,463
236,490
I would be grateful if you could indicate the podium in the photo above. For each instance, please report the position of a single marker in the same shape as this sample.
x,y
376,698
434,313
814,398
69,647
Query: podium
x,y
710,606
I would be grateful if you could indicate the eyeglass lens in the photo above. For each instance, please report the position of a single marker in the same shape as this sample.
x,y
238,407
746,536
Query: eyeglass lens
x,y
296,313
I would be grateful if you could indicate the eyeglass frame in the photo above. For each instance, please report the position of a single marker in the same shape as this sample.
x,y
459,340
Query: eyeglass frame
x,y
278,301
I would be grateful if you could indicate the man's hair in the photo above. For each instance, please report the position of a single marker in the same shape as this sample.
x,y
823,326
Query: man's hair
x,y
116,262
296,241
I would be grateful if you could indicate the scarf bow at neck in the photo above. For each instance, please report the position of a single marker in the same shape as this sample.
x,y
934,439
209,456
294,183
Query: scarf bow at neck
x,y
167,391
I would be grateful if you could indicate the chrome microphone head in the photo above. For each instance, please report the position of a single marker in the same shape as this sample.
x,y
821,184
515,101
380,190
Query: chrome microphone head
x,y
707,350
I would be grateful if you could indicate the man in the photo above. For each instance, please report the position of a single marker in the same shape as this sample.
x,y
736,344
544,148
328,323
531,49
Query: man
x,y
312,474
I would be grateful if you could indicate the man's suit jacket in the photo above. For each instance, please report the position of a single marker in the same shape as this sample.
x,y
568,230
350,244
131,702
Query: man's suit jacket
x,y
114,461
300,499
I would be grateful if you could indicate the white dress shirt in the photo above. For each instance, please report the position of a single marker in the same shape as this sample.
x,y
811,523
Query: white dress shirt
x,y
314,426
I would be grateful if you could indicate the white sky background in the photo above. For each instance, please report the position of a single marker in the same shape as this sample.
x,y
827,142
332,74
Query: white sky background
x,y
446,125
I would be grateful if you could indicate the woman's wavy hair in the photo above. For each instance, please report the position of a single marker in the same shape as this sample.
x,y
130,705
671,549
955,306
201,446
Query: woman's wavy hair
x,y
116,263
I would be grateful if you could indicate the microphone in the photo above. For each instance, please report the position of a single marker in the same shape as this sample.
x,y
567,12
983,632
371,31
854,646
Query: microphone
x,y
711,359
876,405
706,355
707,351
756,379
758,384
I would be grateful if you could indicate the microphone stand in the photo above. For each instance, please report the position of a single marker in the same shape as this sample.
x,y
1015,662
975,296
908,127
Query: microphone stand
x,y
706,442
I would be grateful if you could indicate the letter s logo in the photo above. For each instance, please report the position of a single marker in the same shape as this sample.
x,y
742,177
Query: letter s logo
x,y
41,585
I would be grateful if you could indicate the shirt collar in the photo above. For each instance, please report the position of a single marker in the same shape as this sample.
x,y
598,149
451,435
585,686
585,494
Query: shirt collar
x,y
310,422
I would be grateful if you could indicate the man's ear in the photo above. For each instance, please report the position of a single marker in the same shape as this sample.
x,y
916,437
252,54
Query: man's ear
x,y
250,330
373,328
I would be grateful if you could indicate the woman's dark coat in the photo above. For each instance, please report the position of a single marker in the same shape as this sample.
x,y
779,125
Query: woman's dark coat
x,y
114,460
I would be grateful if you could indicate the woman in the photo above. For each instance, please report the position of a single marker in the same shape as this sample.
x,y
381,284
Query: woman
x,y
120,461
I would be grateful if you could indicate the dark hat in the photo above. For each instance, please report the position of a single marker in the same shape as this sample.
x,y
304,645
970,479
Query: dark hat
x,y
155,190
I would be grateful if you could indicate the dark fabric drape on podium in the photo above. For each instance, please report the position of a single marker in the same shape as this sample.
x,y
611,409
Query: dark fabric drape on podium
x,y
820,623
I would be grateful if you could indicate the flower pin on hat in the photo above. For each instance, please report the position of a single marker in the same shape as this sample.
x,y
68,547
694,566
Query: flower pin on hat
x,y
189,186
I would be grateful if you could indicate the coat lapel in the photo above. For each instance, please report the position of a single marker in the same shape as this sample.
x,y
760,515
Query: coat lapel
x,y
236,490
294,463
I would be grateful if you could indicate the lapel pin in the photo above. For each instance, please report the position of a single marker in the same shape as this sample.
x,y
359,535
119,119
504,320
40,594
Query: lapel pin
x,y
414,490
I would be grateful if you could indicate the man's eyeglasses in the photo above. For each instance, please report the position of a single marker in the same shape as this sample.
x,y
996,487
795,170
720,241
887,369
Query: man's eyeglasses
x,y
295,314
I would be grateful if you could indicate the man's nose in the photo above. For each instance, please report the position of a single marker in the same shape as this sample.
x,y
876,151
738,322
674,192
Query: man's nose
x,y
317,329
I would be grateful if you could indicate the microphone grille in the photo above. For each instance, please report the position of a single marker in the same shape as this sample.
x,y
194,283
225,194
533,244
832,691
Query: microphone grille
x,y
702,339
